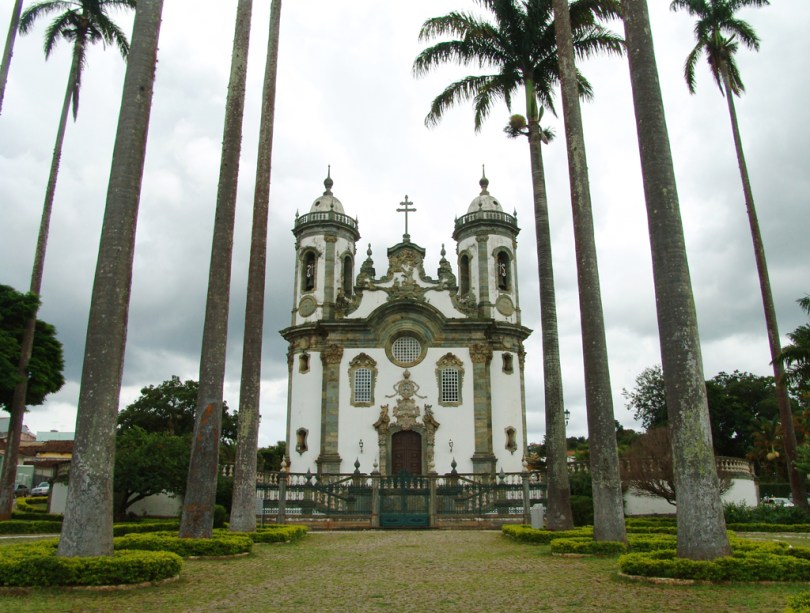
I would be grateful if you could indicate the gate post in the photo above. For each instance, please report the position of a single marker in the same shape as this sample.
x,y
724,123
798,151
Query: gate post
x,y
375,500
432,502
526,498
282,498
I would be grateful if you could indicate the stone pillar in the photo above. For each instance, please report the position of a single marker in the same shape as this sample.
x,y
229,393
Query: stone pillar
x,y
483,459
329,277
329,459
484,303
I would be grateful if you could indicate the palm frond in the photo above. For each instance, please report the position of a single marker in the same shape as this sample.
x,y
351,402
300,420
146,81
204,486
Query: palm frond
x,y
459,91
689,67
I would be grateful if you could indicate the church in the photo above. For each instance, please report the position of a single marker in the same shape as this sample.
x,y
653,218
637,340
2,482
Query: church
x,y
400,370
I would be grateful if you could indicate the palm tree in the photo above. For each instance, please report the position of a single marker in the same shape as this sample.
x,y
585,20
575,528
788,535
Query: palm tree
x,y
243,505
796,356
701,526
607,494
81,22
198,505
520,45
9,49
87,527
717,32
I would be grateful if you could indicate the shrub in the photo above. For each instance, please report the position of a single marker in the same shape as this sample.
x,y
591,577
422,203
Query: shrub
x,y
19,526
740,513
33,504
36,516
276,534
220,544
749,565
651,542
220,515
587,546
582,510
527,534
166,525
37,565
800,603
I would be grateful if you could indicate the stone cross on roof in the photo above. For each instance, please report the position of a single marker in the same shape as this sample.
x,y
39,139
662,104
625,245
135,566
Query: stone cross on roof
x,y
406,209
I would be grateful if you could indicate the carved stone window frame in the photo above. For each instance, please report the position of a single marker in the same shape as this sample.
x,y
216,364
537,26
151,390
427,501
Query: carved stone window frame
x,y
450,362
301,444
508,363
306,253
511,439
389,348
503,253
362,361
303,362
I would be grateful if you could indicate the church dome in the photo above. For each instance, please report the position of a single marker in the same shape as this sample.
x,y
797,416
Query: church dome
x,y
484,201
327,202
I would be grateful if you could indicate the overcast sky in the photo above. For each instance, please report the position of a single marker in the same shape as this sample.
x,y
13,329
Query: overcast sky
x,y
346,97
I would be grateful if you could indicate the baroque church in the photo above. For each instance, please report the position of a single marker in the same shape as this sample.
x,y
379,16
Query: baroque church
x,y
402,371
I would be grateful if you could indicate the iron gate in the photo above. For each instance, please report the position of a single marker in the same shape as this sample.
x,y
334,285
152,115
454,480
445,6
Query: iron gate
x,y
404,501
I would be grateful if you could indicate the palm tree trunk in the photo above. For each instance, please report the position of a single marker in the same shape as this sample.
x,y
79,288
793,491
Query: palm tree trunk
x,y
558,493
8,476
797,486
198,506
701,526
243,506
9,49
607,493
87,527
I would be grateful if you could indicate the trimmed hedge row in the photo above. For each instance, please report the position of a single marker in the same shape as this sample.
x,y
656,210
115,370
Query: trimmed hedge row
x,y
26,504
749,561
527,534
635,542
37,565
36,515
276,534
220,544
19,526
130,527
762,527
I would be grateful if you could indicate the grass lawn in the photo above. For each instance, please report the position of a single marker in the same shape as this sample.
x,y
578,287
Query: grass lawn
x,y
404,571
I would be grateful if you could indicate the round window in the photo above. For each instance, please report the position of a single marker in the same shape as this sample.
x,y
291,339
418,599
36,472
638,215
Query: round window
x,y
406,350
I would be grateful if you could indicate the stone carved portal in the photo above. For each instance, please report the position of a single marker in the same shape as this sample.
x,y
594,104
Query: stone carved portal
x,y
406,414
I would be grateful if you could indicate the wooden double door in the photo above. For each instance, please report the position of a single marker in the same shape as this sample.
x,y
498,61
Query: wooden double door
x,y
406,452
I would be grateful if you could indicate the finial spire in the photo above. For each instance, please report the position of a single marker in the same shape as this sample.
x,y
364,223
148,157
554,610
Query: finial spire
x,y
484,182
328,183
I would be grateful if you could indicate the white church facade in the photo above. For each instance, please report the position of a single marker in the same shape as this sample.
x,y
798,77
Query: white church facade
x,y
397,370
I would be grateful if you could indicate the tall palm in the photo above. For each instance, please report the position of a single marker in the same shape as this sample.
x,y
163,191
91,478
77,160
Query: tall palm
x,y
243,505
796,356
607,494
82,22
520,46
198,505
87,527
701,526
8,51
718,33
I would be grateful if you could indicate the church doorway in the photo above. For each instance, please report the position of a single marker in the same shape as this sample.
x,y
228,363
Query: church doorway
x,y
406,452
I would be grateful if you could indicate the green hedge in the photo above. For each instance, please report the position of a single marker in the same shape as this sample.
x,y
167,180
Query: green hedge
x,y
275,534
26,504
527,534
762,527
800,603
160,525
587,546
754,564
37,565
220,544
19,526
36,515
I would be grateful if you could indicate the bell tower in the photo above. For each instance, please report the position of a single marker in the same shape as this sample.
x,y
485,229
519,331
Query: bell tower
x,y
324,265
486,240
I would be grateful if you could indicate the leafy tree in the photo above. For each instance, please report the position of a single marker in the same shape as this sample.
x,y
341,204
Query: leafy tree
x,y
648,400
718,34
796,356
169,408
701,525
148,463
87,527
518,43
269,458
243,508
9,48
197,520
44,375
46,365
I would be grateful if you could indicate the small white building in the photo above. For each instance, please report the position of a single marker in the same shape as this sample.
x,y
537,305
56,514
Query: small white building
x,y
401,371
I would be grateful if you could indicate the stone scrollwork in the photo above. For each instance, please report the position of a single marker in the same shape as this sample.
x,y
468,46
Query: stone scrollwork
x,y
480,353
